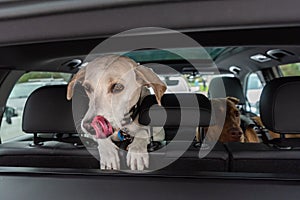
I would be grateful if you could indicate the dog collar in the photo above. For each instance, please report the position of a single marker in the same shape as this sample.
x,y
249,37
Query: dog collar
x,y
123,136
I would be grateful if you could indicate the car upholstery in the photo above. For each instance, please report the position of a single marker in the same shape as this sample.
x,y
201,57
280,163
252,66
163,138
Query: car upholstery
x,y
280,114
48,115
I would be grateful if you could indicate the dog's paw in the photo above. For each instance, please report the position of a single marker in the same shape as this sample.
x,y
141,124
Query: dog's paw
x,y
109,157
137,156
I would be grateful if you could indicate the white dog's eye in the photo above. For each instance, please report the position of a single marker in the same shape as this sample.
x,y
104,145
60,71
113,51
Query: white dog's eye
x,y
117,87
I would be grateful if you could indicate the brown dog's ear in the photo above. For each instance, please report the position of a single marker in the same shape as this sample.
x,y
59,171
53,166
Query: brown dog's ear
x,y
147,77
78,77
233,99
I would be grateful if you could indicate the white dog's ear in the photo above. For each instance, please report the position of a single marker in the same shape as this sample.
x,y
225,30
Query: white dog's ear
x,y
78,77
147,77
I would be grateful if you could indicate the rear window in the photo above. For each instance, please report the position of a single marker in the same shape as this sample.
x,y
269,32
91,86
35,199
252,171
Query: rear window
x,y
189,83
199,83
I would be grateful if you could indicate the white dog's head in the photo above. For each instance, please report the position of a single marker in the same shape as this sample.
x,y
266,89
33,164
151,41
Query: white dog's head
x,y
113,84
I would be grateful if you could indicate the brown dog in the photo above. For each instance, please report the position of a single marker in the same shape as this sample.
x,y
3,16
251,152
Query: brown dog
x,y
230,126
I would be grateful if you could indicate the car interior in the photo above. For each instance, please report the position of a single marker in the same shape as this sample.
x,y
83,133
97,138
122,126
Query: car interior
x,y
40,138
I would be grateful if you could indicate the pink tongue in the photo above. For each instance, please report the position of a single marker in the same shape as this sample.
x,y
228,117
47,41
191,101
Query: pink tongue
x,y
102,127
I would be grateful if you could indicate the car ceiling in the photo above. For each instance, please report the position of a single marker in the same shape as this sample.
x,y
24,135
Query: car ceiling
x,y
52,56
43,35
35,21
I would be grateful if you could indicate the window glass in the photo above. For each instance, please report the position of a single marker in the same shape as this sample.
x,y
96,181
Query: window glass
x,y
290,69
194,83
11,126
254,88
200,82
175,83
164,55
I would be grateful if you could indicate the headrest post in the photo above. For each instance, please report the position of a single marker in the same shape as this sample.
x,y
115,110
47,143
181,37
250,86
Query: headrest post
x,y
36,141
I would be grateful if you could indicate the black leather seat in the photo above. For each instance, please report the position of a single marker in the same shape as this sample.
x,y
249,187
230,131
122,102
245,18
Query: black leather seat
x,y
48,115
216,159
180,114
184,110
280,110
259,158
48,112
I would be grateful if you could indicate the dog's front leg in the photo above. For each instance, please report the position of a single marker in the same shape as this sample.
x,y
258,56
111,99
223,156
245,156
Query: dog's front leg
x,y
108,151
137,156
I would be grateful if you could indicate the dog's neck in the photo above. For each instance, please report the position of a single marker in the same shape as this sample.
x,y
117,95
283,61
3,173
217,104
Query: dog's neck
x,y
133,123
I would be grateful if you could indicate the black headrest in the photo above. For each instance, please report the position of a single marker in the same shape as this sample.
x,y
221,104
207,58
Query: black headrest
x,y
177,109
230,85
47,110
280,105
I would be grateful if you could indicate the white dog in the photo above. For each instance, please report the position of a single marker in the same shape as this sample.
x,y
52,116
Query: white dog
x,y
114,85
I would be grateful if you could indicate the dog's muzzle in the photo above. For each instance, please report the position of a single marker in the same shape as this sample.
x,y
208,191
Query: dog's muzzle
x,y
102,127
